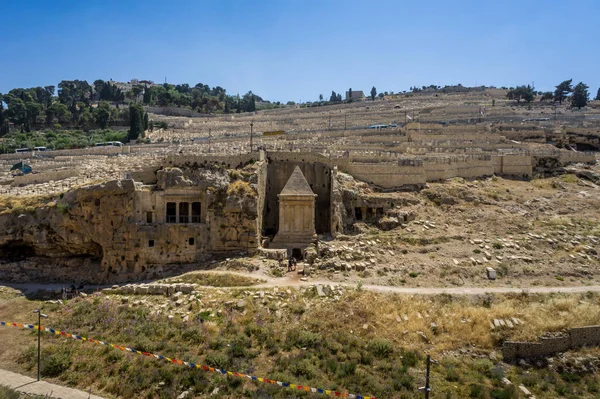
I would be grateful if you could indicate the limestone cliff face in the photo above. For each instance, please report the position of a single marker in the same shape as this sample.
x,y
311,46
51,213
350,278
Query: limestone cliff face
x,y
103,233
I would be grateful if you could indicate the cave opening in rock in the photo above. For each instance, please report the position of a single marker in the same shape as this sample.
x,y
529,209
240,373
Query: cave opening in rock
x,y
16,250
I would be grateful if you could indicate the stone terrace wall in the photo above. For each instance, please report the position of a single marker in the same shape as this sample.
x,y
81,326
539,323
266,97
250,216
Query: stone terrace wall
x,y
75,152
36,178
573,339
230,161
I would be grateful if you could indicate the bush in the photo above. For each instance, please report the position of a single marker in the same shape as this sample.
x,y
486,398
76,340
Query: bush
x,y
217,359
452,375
403,380
8,393
241,189
478,391
347,369
302,339
303,368
56,364
381,348
409,359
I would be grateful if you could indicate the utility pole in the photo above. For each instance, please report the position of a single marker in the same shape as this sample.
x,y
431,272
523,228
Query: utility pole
x,y
209,140
345,121
427,387
39,328
251,129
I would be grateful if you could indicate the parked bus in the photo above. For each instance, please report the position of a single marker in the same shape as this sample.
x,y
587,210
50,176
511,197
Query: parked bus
x,y
22,150
110,144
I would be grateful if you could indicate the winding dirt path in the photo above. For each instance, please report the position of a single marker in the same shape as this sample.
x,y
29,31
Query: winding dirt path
x,y
294,280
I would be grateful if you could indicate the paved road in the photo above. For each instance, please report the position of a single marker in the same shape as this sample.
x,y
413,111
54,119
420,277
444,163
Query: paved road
x,y
30,385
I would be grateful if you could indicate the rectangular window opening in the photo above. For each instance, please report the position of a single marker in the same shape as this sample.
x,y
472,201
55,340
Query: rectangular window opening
x,y
184,212
171,212
191,241
149,217
196,212
150,243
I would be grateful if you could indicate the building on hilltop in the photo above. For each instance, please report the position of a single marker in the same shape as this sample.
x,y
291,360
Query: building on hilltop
x,y
357,95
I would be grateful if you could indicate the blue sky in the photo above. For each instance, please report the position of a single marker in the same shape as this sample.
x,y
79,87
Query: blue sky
x,y
295,50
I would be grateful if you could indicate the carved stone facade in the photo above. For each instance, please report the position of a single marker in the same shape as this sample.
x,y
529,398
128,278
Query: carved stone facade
x,y
296,213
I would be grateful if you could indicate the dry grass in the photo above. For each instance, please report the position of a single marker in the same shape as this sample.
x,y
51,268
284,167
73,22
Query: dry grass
x,y
355,344
241,188
216,280
23,204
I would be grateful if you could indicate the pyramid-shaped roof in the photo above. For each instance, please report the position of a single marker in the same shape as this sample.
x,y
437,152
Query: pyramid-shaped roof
x,y
297,184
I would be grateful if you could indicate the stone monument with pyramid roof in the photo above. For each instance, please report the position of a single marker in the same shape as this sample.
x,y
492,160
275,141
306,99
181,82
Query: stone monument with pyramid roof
x,y
296,213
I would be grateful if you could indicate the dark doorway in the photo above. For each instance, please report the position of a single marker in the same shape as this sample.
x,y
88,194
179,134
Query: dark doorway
x,y
297,253
196,209
16,251
171,212
358,213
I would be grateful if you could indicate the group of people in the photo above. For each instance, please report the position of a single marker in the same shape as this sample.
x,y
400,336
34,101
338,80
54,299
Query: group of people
x,y
291,264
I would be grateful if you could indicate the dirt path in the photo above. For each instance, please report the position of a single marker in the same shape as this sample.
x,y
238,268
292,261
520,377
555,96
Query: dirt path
x,y
294,280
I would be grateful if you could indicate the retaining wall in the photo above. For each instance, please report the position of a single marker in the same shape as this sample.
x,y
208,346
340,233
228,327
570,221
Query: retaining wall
x,y
69,153
573,339
36,178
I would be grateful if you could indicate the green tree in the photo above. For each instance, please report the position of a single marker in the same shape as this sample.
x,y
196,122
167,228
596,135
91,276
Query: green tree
x,y
17,110
547,96
87,120
320,97
563,90
333,97
521,93
580,95
598,95
145,121
136,122
33,111
350,95
102,114
373,93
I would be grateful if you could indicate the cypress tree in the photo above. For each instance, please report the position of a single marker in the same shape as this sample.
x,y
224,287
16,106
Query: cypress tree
x,y
145,121
136,122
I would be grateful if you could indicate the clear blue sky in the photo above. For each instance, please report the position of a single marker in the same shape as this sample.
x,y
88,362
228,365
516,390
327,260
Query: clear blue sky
x,y
295,50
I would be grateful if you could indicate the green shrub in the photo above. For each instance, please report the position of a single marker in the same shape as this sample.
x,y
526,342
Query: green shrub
x,y
217,359
403,381
452,374
347,369
409,359
380,347
55,364
302,339
303,368
478,391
